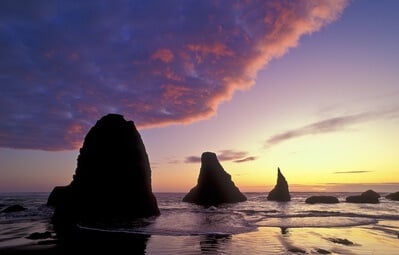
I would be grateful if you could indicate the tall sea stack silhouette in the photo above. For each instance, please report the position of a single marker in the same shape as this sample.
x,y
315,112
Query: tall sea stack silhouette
x,y
112,181
280,192
214,185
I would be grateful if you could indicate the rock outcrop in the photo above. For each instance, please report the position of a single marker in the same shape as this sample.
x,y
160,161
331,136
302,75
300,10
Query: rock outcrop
x,y
280,192
214,185
13,208
112,181
322,200
393,196
369,196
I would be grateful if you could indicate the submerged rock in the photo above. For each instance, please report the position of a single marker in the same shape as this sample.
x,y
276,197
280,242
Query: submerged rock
x,y
343,241
369,196
296,250
393,196
39,235
321,200
280,192
322,251
14,208
112,180
214,185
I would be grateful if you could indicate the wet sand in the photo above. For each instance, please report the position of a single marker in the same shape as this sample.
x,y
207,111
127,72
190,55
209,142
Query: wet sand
x,y
367,239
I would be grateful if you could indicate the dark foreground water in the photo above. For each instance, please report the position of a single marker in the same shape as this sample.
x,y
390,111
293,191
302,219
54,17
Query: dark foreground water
x,y
256,226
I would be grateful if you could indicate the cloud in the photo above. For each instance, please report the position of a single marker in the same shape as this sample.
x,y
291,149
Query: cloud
x,y
330,125
193,159
226,155
64,64
251,158
352,172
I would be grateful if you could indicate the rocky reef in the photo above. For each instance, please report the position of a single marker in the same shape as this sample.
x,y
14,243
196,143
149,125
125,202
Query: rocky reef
x,y
112,181
322,200
13,208
393,196
369,196
214,185
280,192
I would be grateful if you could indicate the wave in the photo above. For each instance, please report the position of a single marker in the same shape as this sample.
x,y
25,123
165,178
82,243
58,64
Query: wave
x,y
212,221
315,222
188,223
152,232
321,214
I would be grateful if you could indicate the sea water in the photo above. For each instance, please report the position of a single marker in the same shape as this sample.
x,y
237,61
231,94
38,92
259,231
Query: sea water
x,y
185,228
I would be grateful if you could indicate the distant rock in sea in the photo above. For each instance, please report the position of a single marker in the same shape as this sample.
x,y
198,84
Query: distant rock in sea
x,y
112,180
369,196
214,185
393,196
280,192
13,208
322,200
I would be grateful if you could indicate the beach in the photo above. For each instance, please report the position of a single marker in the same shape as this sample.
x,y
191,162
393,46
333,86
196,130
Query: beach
x,y
256,226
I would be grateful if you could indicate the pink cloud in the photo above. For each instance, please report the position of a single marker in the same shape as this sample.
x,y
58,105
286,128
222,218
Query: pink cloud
x,y
117,58
165,55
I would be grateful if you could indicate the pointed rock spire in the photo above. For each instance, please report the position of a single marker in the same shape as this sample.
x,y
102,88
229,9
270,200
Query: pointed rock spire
x,y
280,192
214,184
112,180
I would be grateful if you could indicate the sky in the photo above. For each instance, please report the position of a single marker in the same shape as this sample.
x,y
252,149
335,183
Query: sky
x,y
307,86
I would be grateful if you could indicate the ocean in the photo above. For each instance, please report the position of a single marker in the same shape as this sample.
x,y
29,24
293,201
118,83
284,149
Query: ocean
x,y
256,226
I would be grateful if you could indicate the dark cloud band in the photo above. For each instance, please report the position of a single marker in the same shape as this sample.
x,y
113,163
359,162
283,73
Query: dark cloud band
x,y
332,125
352,172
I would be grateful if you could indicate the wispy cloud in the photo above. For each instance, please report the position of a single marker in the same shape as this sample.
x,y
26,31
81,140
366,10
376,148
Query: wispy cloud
x,y
65,64
226,155
193,159
330,125
251,158
352,172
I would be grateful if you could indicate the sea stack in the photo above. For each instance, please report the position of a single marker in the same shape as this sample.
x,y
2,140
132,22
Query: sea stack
x,y
112,181
280,192
214,185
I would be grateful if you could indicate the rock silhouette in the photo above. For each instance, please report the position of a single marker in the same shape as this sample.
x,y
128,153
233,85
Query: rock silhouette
x,y
13,208
393,196
321,200
280,192
112,180
39,235
369,196
214,185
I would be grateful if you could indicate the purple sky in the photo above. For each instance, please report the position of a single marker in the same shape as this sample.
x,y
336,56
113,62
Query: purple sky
x,y
64,64
307,86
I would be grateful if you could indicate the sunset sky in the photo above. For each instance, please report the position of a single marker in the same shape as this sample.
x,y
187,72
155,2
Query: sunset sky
x,y
307,86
